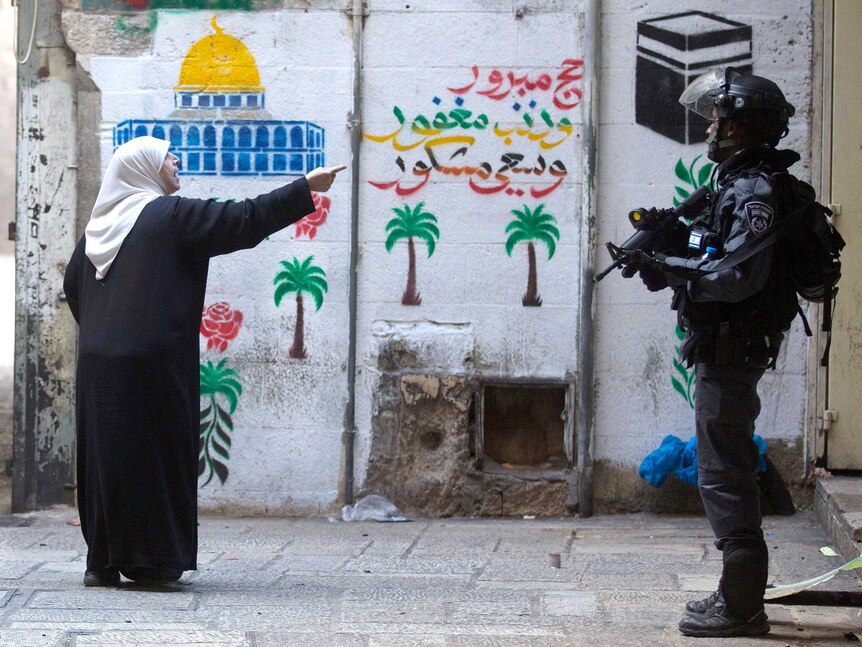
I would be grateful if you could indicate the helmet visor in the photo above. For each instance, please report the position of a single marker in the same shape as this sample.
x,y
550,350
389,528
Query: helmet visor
x,y
699,96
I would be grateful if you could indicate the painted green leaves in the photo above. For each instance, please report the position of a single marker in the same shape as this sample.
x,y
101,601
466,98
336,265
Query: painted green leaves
x,y
220,325
219,385
411,223
301,278
691,178
682,377
531,226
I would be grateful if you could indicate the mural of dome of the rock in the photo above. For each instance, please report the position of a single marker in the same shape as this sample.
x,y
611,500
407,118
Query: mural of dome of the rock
x,y
220,125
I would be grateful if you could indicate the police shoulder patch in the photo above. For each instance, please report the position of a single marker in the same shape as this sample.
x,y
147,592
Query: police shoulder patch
x,y
758,215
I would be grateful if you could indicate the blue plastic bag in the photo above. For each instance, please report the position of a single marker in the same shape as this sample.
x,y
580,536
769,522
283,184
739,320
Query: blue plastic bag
x,y
674,456
659,463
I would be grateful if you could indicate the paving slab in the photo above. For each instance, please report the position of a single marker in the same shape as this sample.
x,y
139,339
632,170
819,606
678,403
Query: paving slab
x,y
570,603
288,639
116,599
31,638
532,568
151,638
99,619
421,565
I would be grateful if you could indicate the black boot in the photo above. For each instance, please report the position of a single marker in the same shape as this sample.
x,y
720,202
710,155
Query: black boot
x,y
743,578
736,609
702,606
718,622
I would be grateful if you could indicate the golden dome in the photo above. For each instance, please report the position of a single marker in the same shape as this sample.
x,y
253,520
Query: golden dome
x,y
219,63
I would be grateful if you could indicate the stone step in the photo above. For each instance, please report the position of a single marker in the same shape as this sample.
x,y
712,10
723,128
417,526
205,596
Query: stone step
x,y
838,505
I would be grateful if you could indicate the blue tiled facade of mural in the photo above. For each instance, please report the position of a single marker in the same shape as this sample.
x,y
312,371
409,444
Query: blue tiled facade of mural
x,y
234,147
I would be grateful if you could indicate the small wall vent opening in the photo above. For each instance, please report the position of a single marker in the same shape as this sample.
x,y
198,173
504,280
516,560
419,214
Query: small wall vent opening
x,y
525,427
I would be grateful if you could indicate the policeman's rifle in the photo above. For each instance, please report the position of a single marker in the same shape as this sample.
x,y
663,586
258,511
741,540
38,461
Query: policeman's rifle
x,y
653,229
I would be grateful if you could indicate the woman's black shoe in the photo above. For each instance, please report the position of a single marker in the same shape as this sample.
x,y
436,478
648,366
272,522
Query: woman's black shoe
x,y
104,577
152,576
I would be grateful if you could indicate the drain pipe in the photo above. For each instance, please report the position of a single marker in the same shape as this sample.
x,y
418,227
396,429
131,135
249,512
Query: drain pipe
x,y
589,204
355,124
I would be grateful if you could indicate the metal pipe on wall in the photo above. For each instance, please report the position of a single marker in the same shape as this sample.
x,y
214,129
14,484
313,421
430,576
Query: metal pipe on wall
x,y
586,338
355,123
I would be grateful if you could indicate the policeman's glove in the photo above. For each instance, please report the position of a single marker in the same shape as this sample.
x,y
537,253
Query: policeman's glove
x,y
639,258
653,279
629,258
629,271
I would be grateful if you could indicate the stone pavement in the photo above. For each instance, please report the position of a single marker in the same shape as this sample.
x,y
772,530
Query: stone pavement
x,y
263,582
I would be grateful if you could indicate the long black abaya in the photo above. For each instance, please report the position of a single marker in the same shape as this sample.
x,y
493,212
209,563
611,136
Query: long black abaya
x,y
138,384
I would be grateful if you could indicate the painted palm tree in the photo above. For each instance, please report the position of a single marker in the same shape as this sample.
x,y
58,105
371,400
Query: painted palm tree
x,y
529,226
218,384
302,278
412,223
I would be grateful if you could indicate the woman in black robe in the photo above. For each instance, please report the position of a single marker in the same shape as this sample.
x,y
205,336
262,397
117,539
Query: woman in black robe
x,y
136,285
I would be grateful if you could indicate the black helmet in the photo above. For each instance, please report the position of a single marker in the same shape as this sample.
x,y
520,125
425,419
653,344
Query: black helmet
x,y
751,100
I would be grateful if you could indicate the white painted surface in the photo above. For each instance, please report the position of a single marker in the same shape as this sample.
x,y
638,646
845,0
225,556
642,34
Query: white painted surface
x,y
636,405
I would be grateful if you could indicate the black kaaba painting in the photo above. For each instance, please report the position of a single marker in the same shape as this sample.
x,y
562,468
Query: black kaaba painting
x,y
671,52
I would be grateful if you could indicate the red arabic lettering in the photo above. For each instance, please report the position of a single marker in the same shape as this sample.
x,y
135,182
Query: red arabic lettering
x,y
557,169
565,88
500,85
401,190
466,88
482,178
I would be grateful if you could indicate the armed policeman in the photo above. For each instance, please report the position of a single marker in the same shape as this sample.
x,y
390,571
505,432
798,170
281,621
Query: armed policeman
x,y
734,321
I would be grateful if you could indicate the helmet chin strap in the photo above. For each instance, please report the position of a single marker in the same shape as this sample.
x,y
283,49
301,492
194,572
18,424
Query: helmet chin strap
x,y
716,144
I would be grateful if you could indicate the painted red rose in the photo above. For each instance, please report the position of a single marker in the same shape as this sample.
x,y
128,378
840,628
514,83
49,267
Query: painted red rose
x,y
220,323
308,225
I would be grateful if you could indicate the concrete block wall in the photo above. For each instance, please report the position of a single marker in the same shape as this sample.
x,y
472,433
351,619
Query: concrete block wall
x,y
471,322
636,403
452,93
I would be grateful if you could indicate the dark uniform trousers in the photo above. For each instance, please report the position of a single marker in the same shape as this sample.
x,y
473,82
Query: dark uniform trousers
x,y
726,407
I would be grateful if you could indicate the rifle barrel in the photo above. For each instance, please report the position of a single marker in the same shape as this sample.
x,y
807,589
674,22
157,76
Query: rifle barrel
x,y
610,268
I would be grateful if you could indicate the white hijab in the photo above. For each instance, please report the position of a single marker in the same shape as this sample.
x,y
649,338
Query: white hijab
x,y
131,182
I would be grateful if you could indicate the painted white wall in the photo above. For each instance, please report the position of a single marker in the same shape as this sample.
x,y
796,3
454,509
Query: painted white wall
x,y
636,405
471,290
286,452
